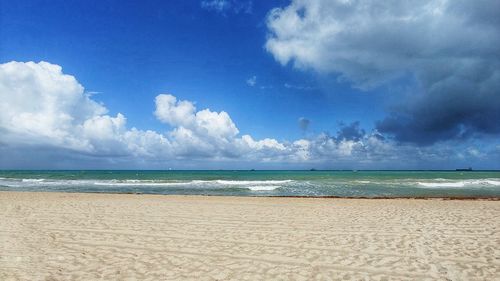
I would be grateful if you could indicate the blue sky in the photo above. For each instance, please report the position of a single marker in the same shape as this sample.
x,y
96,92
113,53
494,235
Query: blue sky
x,y
267,64
131,52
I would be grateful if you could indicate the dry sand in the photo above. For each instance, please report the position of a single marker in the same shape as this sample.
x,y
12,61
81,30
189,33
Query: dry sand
x,y
63,236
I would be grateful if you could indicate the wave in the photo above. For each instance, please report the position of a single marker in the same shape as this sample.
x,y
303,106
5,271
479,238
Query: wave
x,y
461,183
140,183
263,187
32,180
237,182
253,185
493,182
305,187
192,182
441,184
362,181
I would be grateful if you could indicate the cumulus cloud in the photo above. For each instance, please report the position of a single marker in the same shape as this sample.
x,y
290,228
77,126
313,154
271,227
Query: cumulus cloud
x,y
183,114
43,107
203,132
449,51
39,100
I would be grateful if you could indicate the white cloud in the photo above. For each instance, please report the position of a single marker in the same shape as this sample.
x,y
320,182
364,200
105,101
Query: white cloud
x,y
43,106
104,127
173,112
267,143
369,42
252,81
204,122
224,6
216,5
215,124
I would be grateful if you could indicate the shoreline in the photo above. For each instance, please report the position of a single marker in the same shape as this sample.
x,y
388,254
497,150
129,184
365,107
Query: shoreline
x,y
458,198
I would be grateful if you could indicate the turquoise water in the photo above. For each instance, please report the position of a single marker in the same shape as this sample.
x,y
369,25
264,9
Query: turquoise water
x,y
261,183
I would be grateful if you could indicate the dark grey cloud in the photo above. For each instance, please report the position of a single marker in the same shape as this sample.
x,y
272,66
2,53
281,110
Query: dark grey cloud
x,y
449,51
458,100
453,109
350,132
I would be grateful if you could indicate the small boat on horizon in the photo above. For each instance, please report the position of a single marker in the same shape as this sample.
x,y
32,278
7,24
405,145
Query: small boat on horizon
x,y
464,169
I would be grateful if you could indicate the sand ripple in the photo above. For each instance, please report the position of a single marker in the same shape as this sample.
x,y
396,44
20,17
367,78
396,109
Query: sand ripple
x,y
56,236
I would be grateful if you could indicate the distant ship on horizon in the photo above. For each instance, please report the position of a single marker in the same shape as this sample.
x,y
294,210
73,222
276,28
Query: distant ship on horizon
x,y
464,169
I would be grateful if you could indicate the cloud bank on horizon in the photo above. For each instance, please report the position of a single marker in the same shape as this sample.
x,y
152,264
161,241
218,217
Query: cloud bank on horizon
x,y
44,110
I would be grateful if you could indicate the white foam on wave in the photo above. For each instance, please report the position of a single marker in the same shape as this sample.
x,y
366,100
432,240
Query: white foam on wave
x,y
493,182
441,184
461,183
32,180
256,185
142,183
263,184
263,187
362,181
253,185
238,182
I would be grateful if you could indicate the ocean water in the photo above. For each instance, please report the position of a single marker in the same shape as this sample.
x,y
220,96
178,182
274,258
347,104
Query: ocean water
x,y
262,183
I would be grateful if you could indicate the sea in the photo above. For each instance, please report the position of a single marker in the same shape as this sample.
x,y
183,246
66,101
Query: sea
x,y
261,183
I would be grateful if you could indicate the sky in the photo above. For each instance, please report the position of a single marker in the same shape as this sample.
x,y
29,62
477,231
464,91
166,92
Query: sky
x,y
226,84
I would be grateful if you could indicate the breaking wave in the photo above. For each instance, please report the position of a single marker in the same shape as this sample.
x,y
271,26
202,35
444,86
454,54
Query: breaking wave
x,y
440,183
252,185
263,187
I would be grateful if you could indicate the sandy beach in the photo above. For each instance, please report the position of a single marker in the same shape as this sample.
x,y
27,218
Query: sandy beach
x,y
71,236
